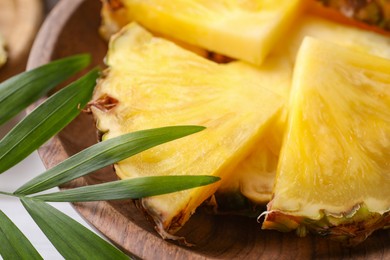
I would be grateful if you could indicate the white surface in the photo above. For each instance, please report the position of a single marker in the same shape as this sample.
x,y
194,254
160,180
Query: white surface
x,y
13,179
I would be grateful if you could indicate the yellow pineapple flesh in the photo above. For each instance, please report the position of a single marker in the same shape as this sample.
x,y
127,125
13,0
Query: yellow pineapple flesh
x,y
245,30
253,177
333,175
320,28
155,83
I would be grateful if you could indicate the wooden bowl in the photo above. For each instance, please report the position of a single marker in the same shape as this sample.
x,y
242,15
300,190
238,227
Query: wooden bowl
x,y
72,28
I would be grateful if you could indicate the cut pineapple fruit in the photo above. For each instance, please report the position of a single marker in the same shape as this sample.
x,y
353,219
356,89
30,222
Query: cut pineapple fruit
x,y
334,174
253,177
245,30
351,37
115,17
155,83
3,54
251,182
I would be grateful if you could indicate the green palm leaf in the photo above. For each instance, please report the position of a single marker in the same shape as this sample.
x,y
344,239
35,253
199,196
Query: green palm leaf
x,y
13,244
70,238
46,120
103,154
129,189
23,89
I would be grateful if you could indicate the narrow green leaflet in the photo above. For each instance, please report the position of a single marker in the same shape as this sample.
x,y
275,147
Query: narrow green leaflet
x,y
23,89
129,189
103,154
13,244
46,120
70,238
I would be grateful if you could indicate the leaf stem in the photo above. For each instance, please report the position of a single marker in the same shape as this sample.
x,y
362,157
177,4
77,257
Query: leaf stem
x,y
8,194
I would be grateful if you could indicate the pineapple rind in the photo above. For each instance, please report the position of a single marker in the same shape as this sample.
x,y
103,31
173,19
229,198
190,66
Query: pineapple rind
x,y
373,12
350,228
156,83
323,134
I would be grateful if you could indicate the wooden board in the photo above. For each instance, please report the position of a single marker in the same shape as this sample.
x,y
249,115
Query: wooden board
x,y
71,28
19,23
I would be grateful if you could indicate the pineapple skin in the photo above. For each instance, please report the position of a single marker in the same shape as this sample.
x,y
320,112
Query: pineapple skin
x,y
372,12
347,230
351,212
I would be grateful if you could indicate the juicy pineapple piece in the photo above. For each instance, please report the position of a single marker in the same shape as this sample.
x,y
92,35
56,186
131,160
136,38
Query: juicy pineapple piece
x,y
351,37
115,17
245,30
155,83
3,54
253,177
334,174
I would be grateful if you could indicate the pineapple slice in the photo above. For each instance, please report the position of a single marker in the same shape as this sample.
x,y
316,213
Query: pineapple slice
x,y
351,37
253,177
155,83
245,30
3,54
334,174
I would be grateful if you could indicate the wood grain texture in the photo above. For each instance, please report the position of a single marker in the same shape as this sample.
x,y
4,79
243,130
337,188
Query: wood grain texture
x,y
19,22
72,27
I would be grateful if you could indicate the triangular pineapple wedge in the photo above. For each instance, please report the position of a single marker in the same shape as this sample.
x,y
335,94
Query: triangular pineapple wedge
x,y
333,175
254,176
245,30
152,82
